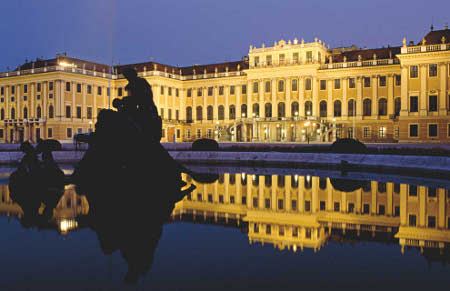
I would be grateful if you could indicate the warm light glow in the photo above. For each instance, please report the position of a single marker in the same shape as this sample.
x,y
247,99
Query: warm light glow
x,y
294,248
243,114
318,131
296,178
64,64
308,112
66,224
296,113
308,178
254,177
303,131
307,123
334,119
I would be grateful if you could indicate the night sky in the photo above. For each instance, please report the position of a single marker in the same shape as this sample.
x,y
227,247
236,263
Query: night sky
x,y
185,32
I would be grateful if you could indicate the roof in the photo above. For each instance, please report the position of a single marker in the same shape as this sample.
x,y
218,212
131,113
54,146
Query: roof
x,y
435,36
40,63
366,54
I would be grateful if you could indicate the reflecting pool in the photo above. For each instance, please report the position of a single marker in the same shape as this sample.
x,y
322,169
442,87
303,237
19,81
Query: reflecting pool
x,y
246,229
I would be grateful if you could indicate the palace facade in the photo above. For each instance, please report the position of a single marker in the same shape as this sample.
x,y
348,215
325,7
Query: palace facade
x,y
291,91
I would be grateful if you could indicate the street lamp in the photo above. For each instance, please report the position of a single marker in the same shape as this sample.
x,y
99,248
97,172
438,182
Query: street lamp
x,y
90,126
306,125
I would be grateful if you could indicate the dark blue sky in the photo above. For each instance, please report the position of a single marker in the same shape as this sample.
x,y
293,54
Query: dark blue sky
x,y
201,31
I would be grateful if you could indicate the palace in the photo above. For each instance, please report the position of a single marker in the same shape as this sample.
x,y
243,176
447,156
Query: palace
x,y
292,91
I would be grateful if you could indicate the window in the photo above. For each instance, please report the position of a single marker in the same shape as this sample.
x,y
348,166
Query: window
x,y
2,91
232,112
268,229
412,190
308,108
49,132
307,205
89,112
397,106
68,113
188,134
280,86
413,104
119,92
255,87
432,130
381,210
351,107
280,204
367,107
366,82
25,112
294,85
269,60
351,83
38,97
24,98
69,132
337,206
295,58
432,70
189,92
412,220
351,207
78,88
25,88
89,89
322,205
281,58
199,113
294,108
177,92
413,72
209,113
268,110
210,198
244,110
244,89
382,107
232,90
189,114
398,80
281,110
169,113
366,208
256,63
432,192
382,81
396,188
2,114
432,103
199,133
67,86
162,90
255,109
294,205
13,89
50,86
323,84
38,112
307,84
413,130
221,198
337,108
99,90
50,111
337,84
221,112
267,86
267,203
78,111
309,56
432,221
323,108
255,202
170,91
221,90
366,132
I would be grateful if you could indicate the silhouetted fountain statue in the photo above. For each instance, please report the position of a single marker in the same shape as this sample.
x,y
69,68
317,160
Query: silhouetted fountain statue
x,y
37,182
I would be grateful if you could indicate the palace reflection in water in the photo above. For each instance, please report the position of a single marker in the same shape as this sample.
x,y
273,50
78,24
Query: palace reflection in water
x,y
298,212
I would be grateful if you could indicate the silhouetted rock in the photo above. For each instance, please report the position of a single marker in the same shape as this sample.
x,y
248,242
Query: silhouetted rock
x,y
205,144
348,146
346,185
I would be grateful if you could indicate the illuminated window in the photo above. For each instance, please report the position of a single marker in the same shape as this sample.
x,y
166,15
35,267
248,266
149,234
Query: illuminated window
x,y
244,89
294,85
308,84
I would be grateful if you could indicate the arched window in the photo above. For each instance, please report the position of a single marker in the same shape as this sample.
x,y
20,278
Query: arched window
x,y
2,114
351,107
189,114
221,112
308,182
308,84
367,107
308,108
268,180
50,111
294,109
323,108
337,108
255,110
25,112
13,113
244,110
322,183
281,110
38,112
268,110
280,181
199,113
209,112
382,107
280,85
294,181
232,112
397,106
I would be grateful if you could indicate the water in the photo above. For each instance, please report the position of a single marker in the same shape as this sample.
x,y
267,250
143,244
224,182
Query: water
x,y
251,229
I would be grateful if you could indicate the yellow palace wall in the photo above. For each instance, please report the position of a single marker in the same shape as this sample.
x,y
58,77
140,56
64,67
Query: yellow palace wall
x,y
269,90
